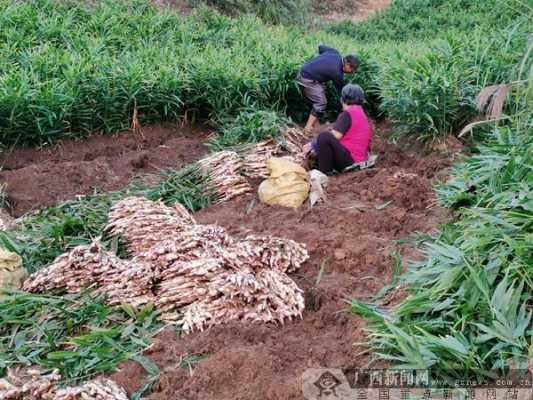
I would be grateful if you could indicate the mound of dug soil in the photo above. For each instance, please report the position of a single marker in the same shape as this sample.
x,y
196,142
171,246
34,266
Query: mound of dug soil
x,y
39,178
355,10
352,236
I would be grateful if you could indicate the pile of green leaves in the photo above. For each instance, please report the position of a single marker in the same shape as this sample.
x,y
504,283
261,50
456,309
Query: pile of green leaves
x,y
77,334
469,310
41,237
250,126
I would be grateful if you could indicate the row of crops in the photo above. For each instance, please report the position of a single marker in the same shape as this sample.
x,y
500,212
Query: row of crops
x,y
68,69
469,309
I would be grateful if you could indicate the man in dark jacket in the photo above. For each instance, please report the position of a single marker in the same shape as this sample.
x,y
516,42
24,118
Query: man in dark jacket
x,y
329,65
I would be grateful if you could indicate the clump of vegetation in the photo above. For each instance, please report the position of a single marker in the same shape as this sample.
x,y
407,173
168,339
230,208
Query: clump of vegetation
x,y
469,306
77,334
41,237
409,20
250,126
430,95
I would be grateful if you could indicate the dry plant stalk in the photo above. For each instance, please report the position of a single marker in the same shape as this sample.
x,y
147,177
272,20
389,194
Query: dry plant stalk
x,y
226,170
294,140
278,254
490,102
144,223
255,159
223,174
196,275
122,281
195,264
496,94
265,296
6,220
35,384
28,383
81,267
135,123
97,389
215,287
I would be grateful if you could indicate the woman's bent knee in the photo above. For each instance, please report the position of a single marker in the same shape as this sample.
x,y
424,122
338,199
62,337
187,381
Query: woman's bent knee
x,y
325,137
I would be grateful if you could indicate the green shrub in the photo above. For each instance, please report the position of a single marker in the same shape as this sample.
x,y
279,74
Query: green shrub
x,y
430,94
468,310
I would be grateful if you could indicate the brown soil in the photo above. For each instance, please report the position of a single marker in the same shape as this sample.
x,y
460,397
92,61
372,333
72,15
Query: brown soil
x,y
37,178
333,10
183,6
355,10
354,240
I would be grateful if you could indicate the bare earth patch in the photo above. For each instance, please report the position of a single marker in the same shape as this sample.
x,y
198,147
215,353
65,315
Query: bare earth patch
x,y
355,10
38,178
334,10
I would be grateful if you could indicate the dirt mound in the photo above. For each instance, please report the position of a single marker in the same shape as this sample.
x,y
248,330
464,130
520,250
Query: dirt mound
x,y
333,10
355,10
38,178
352,236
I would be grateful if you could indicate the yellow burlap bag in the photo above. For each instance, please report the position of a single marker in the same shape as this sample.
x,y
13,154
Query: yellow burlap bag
x,y
287,186
12,273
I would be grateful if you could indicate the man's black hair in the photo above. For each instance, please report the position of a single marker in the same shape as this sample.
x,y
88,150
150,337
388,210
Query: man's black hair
x,y
353,61
353,95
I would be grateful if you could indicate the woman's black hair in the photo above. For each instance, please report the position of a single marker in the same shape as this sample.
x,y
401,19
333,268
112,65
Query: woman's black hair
x,y
353,95
353,61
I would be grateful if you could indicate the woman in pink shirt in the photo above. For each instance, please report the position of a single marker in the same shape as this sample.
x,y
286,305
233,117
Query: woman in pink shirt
x,y
349,140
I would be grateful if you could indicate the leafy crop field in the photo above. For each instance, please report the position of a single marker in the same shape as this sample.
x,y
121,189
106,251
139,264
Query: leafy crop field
x,y
69,69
